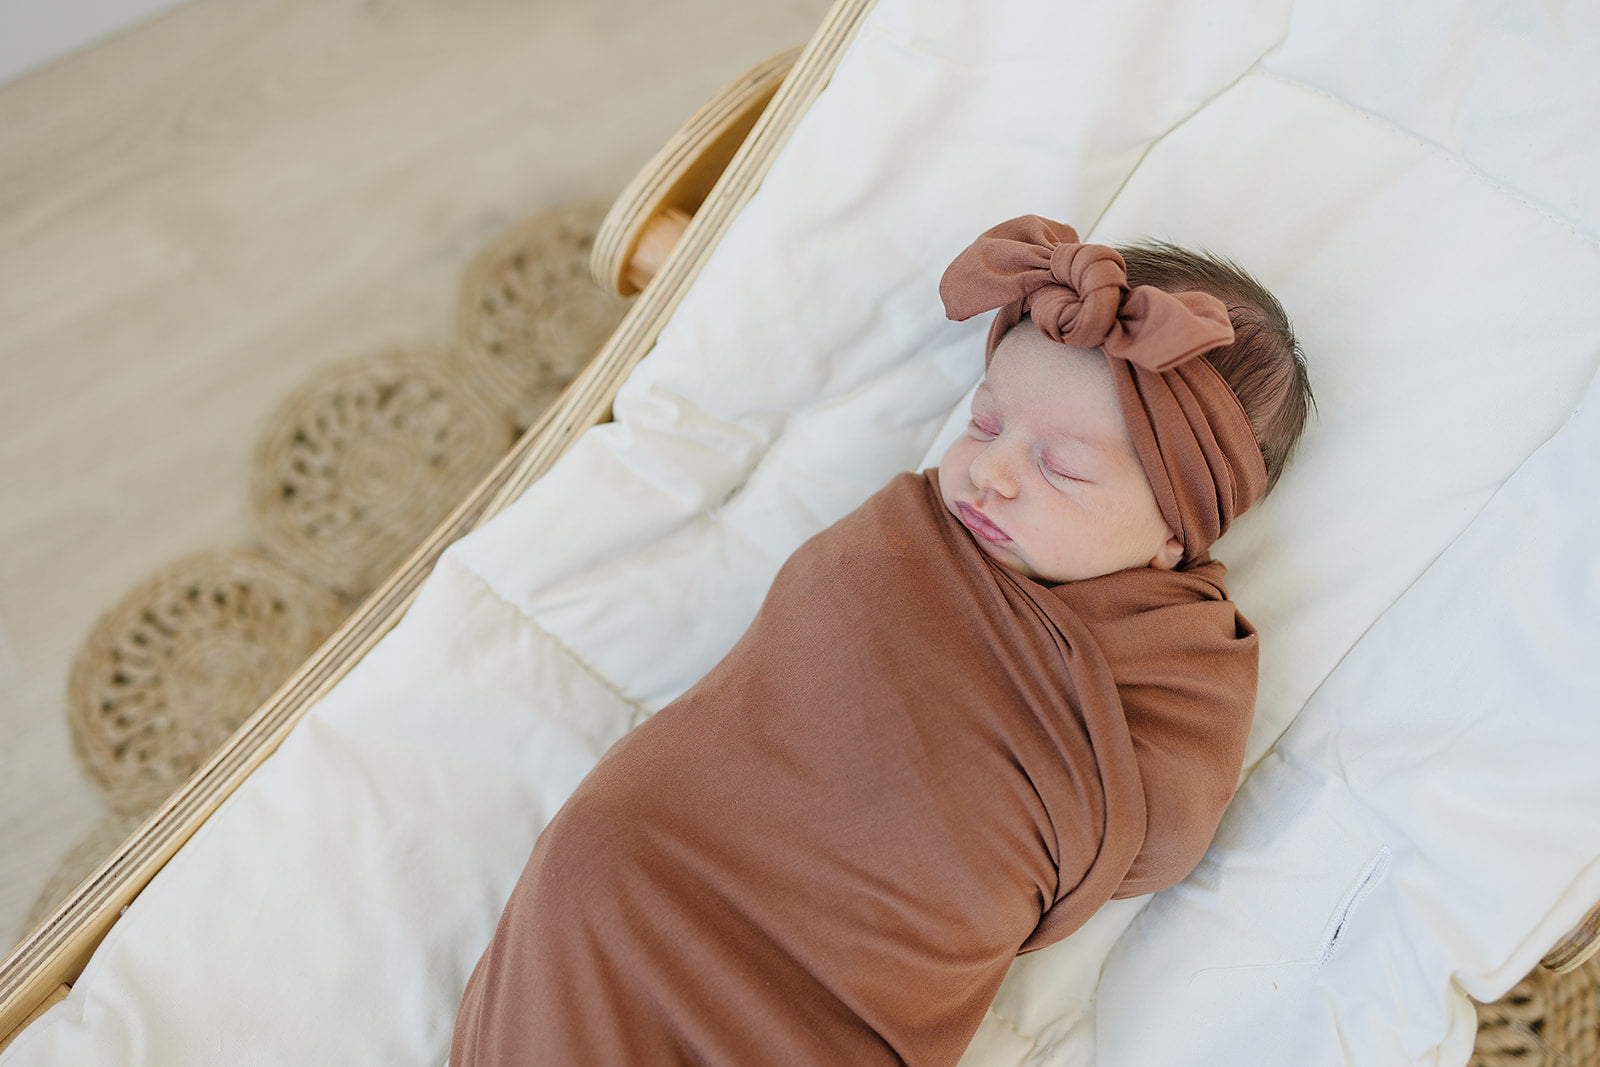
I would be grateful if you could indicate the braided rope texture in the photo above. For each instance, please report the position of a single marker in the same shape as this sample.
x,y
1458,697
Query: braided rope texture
x,y
356,467
170,671
531,316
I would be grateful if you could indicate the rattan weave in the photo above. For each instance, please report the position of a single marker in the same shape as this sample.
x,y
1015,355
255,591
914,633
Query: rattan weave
x,y
531,315
1546,1020
355,468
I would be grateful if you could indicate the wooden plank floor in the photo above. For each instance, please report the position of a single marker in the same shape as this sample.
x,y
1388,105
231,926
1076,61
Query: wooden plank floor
x,y
199,212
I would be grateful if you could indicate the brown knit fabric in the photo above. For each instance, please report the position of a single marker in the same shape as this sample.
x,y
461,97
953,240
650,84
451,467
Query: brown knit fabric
x,y
915,764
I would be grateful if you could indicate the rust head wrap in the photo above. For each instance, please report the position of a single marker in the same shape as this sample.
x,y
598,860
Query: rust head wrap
x,y
1188,427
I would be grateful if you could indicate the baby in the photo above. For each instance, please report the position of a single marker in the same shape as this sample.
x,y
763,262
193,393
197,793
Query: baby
x,y
968,714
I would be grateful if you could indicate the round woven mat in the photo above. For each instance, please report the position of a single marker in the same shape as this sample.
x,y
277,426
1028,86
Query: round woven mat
x,y
1546,1020
531,316
170,671
355,469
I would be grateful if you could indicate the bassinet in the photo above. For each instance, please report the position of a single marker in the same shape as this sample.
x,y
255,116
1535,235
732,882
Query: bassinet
x,y
1416,822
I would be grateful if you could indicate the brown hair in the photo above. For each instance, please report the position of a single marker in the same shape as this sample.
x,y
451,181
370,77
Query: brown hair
x,y
1264,365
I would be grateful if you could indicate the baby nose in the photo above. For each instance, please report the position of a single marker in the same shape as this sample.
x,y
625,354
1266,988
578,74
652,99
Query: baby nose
x,y
994,468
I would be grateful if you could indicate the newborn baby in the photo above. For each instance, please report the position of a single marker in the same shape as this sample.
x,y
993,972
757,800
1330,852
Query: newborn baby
x,y
990,699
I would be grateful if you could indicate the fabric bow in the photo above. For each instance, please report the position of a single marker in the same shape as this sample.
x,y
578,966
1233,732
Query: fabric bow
x,y
1189,429
1078,294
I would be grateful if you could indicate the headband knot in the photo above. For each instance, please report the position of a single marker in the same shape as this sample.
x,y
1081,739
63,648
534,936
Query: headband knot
x,y
1078,294
1189,429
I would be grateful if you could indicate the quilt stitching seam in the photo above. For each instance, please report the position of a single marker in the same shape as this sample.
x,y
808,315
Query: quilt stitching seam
x,y
1174,127
561,646
1567,225
1032,1039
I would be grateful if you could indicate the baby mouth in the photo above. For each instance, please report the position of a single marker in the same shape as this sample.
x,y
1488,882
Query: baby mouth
x,y
974,520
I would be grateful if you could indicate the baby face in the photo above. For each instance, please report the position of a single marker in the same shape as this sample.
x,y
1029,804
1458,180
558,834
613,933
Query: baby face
x,y
1046,477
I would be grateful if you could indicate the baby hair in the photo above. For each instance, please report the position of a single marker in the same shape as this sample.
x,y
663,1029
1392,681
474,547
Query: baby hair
x,y
1264,365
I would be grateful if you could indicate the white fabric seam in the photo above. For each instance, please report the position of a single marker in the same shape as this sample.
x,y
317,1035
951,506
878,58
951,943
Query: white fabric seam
x,y
1031,1039
1351,902
1567,225
605,683
1164,134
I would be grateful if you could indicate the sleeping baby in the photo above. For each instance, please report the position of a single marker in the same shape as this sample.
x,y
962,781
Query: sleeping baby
x,y
992,698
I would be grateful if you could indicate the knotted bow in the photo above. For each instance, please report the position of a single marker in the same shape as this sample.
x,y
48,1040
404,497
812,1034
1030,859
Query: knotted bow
x,y
1189,429
1078,294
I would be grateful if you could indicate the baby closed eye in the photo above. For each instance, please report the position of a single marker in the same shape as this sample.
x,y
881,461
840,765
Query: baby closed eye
x,y
1054,471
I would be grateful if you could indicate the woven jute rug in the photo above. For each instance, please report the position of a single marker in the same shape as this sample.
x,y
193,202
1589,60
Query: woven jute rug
x,y
175,666
530,315
357,466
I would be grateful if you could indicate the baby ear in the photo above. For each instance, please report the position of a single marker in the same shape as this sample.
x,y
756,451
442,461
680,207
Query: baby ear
x,y
1170,556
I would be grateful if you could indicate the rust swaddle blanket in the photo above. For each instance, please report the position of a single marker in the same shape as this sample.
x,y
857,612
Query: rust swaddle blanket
x,y
914,764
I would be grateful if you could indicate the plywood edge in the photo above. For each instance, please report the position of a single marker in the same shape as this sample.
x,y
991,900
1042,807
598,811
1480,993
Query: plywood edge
x,y
1578,947
55,997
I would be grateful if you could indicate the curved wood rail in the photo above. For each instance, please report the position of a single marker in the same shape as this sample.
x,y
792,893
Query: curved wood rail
x,y
651,213
1578,947
56,951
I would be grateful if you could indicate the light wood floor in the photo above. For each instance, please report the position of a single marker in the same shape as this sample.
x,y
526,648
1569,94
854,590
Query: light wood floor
x,y
199,212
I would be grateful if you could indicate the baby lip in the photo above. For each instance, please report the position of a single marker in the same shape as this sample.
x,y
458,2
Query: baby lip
x,y
979,523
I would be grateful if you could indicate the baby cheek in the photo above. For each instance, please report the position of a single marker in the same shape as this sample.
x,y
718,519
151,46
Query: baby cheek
x,y
954,462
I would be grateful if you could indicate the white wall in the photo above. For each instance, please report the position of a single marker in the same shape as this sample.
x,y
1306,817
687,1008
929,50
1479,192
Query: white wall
x,y
34,33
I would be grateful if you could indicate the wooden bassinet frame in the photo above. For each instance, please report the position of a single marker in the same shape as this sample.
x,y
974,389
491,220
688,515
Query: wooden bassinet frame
x,y
656,238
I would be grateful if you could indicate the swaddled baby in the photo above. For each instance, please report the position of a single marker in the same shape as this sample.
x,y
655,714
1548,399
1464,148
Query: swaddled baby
x,y
992,698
